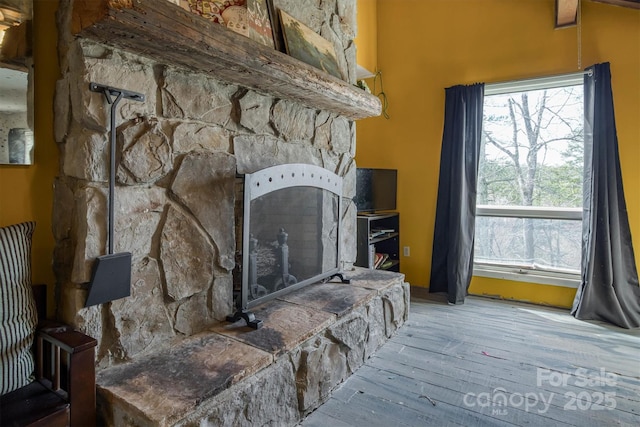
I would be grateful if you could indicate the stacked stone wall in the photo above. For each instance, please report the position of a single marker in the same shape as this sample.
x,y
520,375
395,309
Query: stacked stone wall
x,y
178,153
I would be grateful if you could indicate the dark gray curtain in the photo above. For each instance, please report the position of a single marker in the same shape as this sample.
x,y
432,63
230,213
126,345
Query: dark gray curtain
x,y
452,259
609,287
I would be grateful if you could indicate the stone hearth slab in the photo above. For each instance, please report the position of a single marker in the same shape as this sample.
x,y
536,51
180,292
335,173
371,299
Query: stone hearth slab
x,y
337,298
311,341
372,279
286,325
166,386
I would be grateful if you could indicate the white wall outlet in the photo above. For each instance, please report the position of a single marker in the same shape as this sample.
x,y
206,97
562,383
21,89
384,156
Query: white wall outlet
x,y
407,251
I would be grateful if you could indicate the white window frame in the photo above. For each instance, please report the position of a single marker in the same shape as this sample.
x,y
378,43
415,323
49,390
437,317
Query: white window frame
x,y
563,278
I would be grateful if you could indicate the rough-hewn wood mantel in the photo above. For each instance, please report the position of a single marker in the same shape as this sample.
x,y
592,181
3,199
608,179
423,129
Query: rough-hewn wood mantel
x,y
166,33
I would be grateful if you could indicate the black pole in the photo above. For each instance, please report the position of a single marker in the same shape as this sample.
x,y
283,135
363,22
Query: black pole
x,y
112,169
119,94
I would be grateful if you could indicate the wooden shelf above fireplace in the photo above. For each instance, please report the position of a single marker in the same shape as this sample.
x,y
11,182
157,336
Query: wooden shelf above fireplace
x,y
168,34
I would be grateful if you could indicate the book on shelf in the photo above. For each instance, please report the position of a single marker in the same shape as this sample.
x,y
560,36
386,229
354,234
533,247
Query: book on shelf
x,y
384,230
380,259
375,232
388,263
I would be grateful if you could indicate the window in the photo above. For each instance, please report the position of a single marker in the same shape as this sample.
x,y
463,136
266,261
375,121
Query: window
x,y
529,203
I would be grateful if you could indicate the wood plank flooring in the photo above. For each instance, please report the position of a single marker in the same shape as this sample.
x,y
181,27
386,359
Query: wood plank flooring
x,y
493,363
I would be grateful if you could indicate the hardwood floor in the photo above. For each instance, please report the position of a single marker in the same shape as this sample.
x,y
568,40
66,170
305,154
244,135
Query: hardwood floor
x,y
454,365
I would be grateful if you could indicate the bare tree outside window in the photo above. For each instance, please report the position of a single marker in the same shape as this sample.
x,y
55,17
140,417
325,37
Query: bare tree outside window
x,y
531,166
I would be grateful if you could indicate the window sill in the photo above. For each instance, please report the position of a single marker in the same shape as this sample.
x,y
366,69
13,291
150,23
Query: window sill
x,y
530,276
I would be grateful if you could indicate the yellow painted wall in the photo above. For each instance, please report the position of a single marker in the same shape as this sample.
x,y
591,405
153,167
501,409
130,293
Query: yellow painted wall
x,y
425,46
26,192
557,296
366,42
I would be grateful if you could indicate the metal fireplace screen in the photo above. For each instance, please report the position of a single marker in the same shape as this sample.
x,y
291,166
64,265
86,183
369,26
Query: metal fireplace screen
x,y
291,230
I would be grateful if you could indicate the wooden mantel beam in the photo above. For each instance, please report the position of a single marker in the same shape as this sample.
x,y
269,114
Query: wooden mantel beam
x,y
170,35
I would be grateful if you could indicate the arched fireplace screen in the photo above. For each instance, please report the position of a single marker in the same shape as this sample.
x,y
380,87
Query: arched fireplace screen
x,y
291,231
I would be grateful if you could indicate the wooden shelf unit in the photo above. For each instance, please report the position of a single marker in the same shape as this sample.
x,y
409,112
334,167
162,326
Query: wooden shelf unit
x,y
387,243
165,32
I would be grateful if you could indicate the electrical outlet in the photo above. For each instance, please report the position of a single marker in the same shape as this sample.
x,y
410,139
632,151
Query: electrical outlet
x,y
407,251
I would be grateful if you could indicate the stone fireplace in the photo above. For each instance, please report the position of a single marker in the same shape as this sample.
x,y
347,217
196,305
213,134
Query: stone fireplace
x,y
178,157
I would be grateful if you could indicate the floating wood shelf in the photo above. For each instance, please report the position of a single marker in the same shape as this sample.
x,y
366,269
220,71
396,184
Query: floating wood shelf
x,y
171,35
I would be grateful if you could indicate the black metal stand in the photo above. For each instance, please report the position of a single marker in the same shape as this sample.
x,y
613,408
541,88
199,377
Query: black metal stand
x,y
341,276
255,289
248,316
285,280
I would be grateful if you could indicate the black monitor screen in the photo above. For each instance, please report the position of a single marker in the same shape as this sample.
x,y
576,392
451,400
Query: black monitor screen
x,y
376,189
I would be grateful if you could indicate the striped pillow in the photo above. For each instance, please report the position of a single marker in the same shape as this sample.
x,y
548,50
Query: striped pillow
x,y
18,316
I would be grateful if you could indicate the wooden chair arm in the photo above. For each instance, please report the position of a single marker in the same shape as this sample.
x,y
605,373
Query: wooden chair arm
x,y
67,339
66,361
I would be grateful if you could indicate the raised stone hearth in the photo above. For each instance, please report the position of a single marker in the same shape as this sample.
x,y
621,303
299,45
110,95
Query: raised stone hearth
x,y
312,340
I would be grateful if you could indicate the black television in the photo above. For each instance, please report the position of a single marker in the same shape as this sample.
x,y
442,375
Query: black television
x,y
376,189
